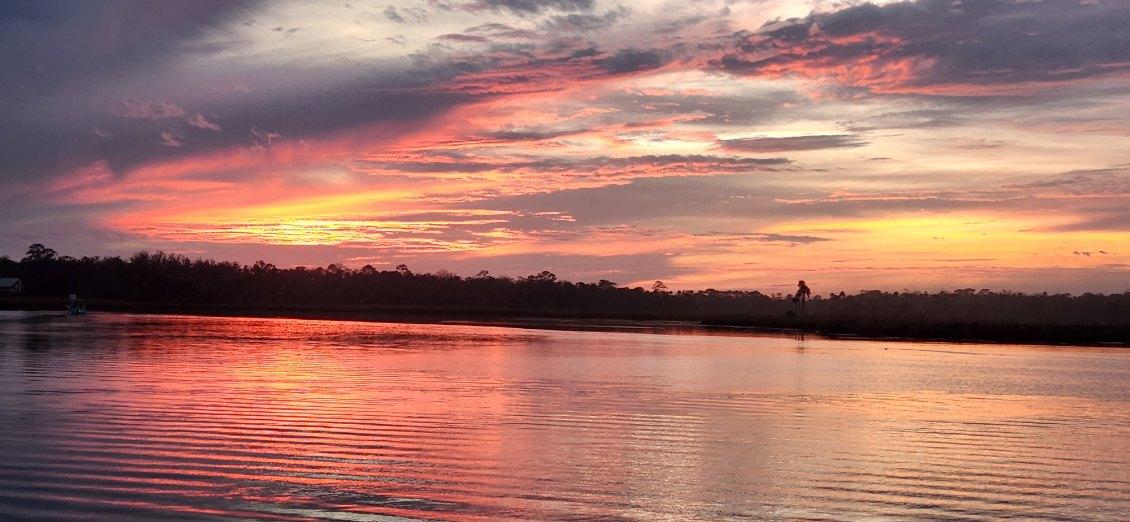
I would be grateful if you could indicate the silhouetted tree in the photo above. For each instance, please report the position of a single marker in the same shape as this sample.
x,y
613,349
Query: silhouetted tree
x,y
38,252
803,293
544,276
161,277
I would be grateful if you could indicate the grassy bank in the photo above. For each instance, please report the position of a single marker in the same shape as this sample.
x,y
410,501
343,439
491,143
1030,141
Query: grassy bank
x,y
402,313
925,329
825,325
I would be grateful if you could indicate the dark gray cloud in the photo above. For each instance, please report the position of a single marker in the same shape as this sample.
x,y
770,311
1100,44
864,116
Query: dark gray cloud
x,y
530,134
792,143
731,237
528,7
463,38
583,22
250,121
406,15
500,30
55,53
683,162
391,13
59,46
942,46
135,108
1112,181
672,163
632,60
760,108
644,199
772,196
932,118
49,48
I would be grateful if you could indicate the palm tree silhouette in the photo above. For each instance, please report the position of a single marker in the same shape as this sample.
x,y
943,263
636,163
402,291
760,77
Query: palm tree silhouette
x,y
802,295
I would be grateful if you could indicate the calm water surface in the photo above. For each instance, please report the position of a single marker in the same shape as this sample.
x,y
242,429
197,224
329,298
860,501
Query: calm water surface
x,y
121,416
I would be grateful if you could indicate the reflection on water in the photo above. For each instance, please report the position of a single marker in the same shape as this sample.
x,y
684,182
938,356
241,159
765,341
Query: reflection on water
x,y
120,416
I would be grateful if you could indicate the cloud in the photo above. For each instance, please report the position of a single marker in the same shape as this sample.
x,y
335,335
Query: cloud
x,y
1112,181
632,60
286,31
264,139
587,128
762,237
80,43
463,38
675,164
579,22
512,134
171,138
555,65
531,7
942,47
201,122
978,144
1096,220
391,13
500,30
792,143
406,15
149,110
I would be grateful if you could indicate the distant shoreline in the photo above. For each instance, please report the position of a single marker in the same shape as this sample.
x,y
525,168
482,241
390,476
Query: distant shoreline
x,y
824,327
886,328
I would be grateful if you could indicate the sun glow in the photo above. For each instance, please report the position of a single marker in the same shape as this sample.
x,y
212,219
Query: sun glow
x,y
705,143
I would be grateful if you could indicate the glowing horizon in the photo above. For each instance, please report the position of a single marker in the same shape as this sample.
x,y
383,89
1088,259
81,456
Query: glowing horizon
x,y
920,145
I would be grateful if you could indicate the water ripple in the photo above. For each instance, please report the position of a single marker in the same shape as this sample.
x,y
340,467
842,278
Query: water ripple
x,y
140,417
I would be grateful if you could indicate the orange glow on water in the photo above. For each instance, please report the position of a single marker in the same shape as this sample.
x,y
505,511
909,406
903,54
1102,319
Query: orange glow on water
x,y
264,418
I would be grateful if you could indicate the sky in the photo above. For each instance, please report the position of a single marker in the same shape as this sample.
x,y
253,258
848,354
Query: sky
x,y
918,145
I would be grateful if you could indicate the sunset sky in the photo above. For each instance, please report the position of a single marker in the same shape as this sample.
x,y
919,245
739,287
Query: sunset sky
x,y
724,144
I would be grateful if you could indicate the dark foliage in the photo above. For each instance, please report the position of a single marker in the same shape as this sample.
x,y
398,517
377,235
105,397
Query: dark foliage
x,y
172,279
939,329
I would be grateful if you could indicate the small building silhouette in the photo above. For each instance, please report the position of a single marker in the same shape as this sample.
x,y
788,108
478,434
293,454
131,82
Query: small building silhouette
x,y
11,286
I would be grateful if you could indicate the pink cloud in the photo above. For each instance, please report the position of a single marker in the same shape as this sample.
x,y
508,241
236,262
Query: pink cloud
x,y
149,110
201,122
171,138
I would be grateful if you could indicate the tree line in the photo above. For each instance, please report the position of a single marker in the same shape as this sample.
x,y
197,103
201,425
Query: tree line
x,y
159,277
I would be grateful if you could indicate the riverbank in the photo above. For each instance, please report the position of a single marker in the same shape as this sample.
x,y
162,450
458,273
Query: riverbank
x,y
837,327
505,317
840,327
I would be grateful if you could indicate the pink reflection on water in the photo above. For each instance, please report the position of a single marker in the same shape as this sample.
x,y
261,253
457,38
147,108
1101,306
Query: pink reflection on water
x,y
296,419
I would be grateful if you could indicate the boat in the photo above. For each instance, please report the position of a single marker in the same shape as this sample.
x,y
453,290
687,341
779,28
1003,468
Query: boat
x,y
76,306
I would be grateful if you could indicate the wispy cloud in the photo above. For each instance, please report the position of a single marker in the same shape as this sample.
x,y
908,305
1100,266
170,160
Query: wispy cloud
x,y
201,122
942,47
172,138
710,143
135,108
792,143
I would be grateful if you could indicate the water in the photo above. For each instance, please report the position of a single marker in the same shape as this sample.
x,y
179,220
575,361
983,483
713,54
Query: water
x,y
122,416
